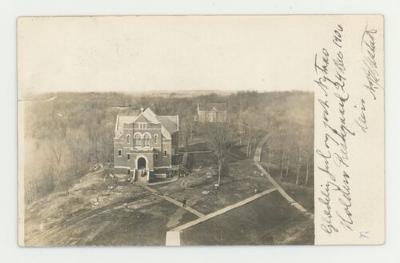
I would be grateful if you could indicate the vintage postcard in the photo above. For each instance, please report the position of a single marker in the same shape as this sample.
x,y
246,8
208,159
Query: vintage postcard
x,y
201,130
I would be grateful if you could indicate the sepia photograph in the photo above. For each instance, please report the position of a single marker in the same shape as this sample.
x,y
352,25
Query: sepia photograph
x,y
200,130
189,168
183,165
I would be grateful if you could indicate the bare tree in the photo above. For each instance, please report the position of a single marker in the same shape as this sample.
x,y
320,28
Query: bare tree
x,y
281,163
298,166
307,171
56,143
219,140
287,166
186,128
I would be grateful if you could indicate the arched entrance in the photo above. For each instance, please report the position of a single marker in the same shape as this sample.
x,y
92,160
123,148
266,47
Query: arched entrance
x,y
141,164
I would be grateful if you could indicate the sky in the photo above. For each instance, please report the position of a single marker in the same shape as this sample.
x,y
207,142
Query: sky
x,y
167,53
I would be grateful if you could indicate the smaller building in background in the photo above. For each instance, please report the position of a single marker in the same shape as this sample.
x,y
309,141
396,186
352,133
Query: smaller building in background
x,y
211,112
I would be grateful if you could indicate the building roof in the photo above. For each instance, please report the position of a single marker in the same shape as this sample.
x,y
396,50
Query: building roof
x,y
121,120
212,107
169,124
150,116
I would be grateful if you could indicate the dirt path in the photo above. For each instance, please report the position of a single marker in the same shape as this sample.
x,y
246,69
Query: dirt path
x,y
173,201
257,159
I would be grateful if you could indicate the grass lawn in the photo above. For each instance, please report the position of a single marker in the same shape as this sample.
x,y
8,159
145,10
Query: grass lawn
x,y
265,221
244,180
304,195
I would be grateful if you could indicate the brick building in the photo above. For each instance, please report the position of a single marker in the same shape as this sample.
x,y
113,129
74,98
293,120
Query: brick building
x,y
211,112
145,143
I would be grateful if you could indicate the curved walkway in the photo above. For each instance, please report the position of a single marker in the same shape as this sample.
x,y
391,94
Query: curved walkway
x,y
257,160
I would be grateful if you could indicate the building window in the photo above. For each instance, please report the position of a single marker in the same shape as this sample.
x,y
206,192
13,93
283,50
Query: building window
x,y
156,156
211,117
165,153
147,139
138,139
129,156
128,138
155,138
142,125
119,152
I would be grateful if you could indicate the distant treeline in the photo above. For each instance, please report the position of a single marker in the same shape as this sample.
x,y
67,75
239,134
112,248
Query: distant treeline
x,y
67,133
